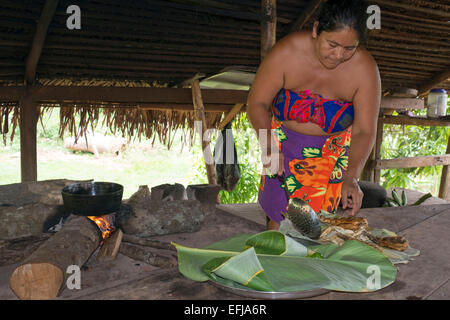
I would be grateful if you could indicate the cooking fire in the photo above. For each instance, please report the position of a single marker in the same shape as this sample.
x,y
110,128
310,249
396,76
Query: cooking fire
x,y
105,223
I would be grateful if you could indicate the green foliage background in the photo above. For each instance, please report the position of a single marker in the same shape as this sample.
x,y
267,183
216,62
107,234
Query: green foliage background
x,y
246,190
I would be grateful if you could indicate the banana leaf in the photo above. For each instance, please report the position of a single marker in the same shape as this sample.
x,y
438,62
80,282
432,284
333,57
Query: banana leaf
x,y
272,261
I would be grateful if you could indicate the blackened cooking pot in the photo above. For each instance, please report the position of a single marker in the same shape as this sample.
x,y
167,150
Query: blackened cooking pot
x,y
92,198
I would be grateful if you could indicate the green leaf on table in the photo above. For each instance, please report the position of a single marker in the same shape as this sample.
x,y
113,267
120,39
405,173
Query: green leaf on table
x,y
243,268
272,261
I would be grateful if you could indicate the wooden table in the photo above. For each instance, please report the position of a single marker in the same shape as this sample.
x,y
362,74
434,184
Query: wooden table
x,y
426,277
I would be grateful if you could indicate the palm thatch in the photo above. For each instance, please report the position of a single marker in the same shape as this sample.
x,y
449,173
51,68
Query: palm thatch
x,y
156,43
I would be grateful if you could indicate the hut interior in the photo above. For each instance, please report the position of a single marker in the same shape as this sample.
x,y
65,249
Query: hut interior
x,y
154,66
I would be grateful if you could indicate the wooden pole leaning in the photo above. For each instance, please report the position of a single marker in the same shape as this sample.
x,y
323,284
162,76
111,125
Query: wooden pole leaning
x,y
201,119
230,116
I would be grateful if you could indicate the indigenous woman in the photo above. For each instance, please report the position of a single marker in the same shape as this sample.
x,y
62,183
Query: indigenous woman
x,y
316,98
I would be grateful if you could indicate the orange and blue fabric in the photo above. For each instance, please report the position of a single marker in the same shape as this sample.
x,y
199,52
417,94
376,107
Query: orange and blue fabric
x,y
331,115
314,165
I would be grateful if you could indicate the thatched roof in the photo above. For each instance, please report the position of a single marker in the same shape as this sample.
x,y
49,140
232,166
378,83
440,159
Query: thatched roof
x,y
140,43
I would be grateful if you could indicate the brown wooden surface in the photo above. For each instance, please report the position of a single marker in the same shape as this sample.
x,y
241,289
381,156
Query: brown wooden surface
x,y
425,277
418,121
414,162
110,247
403,92
154,256
137,95
37,281
401,103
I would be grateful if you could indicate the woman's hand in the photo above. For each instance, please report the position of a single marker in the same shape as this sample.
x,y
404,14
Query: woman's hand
x,y
351,195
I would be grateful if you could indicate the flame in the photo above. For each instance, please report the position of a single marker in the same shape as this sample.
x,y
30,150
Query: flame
x,y
104,224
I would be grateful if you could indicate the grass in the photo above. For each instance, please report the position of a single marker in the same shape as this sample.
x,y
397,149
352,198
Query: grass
x,y
140,163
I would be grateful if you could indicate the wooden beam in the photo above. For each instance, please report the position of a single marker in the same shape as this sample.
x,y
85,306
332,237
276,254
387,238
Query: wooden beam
x,y
11,94
415,121
308,12
28,122
434,81
135,95
268,26
39,38
164,99
414,162
183,107
401,103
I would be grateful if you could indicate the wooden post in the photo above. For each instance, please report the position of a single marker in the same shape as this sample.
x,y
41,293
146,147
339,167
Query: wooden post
x,y
200,116
444,189
28,123
268,26
370,172
378,142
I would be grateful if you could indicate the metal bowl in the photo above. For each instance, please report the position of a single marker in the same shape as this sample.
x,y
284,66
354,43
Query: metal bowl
x,y
92,198
271,295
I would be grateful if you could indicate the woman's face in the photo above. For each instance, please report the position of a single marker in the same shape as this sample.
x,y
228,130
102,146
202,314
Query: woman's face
x,y
335,47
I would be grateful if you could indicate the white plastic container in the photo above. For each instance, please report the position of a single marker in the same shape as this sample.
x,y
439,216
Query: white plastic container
x,y
437,103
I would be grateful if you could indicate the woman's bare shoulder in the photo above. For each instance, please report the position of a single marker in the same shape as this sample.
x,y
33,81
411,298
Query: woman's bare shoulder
x,y
364,61
293,43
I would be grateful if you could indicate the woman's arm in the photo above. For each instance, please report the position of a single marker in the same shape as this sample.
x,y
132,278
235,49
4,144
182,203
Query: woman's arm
x,y
268,81
367,105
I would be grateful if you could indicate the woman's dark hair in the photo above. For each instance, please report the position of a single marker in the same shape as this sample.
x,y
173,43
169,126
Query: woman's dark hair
x,y
340,14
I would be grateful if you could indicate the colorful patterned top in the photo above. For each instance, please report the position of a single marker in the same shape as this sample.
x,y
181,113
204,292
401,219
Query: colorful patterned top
x,y
331,115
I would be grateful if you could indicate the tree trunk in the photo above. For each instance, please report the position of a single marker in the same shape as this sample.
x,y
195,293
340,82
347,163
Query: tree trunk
x,y
42,274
